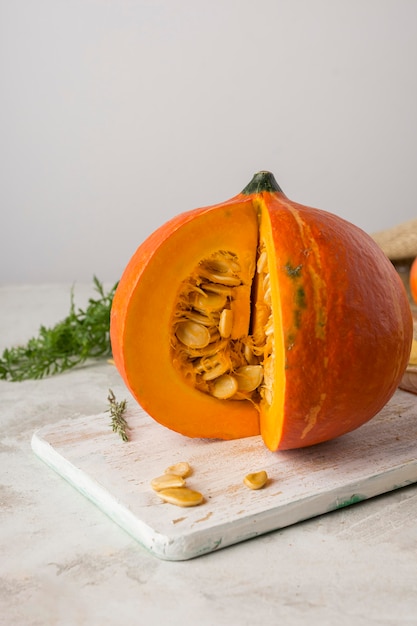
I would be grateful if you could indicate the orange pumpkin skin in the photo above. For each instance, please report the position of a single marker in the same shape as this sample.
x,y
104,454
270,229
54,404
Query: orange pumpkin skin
x,y
413,280
341,319
347,339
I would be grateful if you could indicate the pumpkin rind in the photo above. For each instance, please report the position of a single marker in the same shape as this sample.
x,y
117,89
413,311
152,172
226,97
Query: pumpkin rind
x,y
346,336
342,323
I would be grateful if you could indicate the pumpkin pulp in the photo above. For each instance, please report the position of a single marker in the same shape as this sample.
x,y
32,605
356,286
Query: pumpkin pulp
x,y
145,313
259,315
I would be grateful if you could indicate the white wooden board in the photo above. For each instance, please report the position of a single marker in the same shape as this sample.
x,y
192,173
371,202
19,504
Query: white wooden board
x,y
377,458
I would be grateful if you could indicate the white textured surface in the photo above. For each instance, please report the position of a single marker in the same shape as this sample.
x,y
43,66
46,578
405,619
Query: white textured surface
x,y
116,476
63,562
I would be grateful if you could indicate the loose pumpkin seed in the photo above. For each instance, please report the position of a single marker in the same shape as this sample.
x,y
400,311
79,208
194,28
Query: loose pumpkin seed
x,y
182,469
181,496
167,480
256,480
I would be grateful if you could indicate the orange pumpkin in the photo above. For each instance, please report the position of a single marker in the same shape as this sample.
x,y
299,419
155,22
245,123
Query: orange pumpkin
x,y
413,280
260,315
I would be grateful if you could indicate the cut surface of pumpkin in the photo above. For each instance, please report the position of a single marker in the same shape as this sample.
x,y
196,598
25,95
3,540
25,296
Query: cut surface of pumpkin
x,y
261,316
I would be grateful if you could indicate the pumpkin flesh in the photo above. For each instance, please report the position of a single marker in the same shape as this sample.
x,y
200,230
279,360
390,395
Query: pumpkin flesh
x,y
142,312
318,306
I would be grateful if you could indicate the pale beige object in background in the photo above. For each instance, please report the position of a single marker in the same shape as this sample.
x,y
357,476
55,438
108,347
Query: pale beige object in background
x,y
398,242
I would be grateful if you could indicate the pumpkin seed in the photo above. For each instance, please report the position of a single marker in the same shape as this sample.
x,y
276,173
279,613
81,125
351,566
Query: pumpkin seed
x,y
226,323
208,363
224,387
210,350
167,480
208,302
223,263
222,279
181,496
256,480
182,469
216,288
221,367
249,355
192,334
214,335
249,377
201,318
218,354
262,262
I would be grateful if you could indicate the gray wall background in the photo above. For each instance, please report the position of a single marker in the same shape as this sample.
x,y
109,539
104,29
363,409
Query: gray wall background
x,y
115,115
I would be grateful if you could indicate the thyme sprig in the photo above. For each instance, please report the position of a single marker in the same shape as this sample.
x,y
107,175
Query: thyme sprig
x,y
117,411
83,334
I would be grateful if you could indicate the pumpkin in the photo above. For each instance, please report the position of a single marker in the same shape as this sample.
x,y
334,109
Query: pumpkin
x,y
413,280
259,315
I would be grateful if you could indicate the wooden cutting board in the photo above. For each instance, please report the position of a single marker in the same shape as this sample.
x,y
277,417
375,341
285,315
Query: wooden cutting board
x,y
377,458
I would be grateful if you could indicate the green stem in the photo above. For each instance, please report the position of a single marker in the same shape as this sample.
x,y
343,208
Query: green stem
x,y
262,181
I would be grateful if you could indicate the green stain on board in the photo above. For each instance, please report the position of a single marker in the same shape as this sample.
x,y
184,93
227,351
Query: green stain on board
x,y
352,500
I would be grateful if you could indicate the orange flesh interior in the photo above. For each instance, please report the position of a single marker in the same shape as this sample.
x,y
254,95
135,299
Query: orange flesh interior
x,y
226,331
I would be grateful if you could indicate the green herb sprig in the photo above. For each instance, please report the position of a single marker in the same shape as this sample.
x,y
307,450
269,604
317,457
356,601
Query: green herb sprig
x,y
82,335
117,411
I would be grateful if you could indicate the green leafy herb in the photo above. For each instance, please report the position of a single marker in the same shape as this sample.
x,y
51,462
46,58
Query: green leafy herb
x,y
117,411
82,335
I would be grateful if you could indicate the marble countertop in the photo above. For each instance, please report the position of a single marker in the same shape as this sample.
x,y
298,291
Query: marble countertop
x,y
62,561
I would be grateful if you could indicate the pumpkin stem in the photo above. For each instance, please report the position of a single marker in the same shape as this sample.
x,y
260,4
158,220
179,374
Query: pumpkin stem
x,y
262,181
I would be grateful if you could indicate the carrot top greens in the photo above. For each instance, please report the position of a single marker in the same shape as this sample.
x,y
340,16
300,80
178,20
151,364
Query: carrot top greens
x,y
83,334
